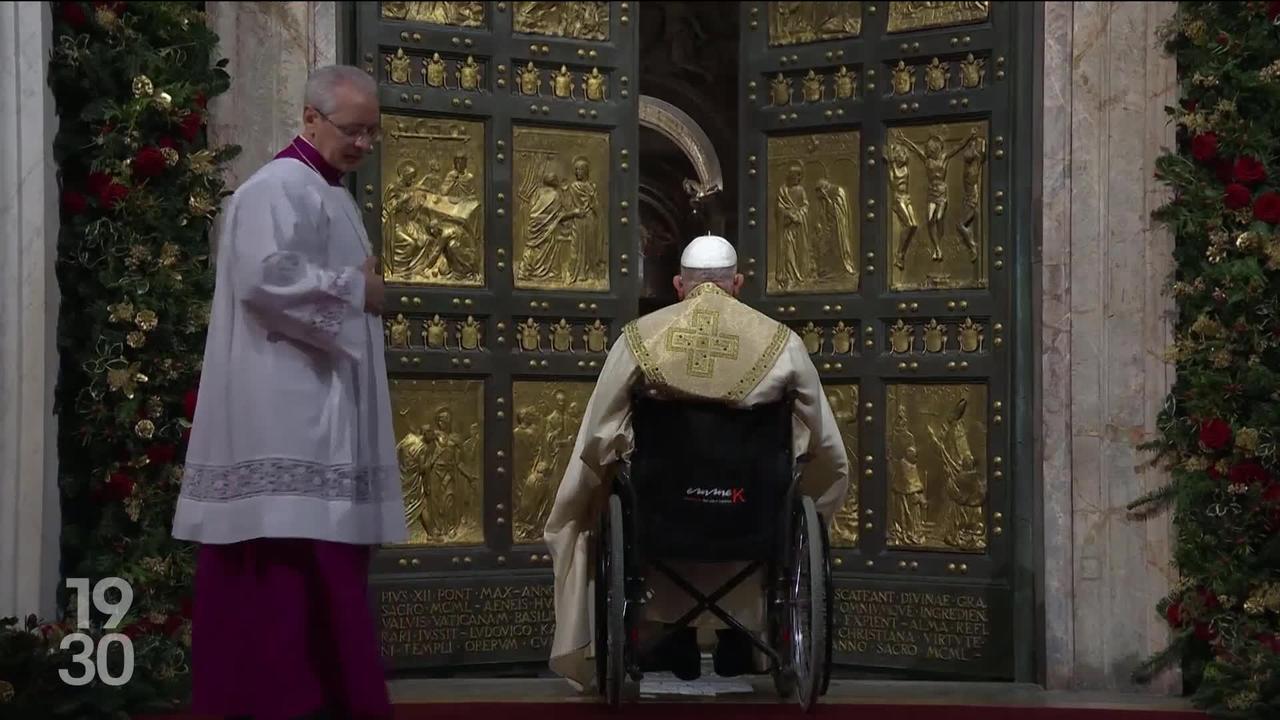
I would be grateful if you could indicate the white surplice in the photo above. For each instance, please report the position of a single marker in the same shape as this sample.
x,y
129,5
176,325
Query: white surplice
x,y
773,362
292,433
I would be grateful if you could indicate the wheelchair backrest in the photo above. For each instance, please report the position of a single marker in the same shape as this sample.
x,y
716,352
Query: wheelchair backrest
x,y
710,480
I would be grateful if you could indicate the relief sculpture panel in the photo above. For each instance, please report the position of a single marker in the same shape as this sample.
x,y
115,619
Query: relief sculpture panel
x,y
797,23
439,426
575,20
937,176
562,200
937,454
458,14
814,238
548,415
844,405
908,16
432,201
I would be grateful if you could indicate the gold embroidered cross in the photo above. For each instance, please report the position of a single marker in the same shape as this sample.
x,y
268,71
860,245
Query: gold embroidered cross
x,y
703,343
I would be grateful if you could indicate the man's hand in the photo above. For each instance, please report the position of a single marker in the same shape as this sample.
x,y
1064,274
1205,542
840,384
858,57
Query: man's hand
x,y
375,293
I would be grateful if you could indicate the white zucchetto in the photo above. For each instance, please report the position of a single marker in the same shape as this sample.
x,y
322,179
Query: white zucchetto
x,y
709,252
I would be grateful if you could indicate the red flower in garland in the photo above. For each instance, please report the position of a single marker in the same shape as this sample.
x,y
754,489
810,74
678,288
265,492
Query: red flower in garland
x,y
1173,614
201,100
1248,473
73,15
189,403
1215,434
1208,599
1267,207
1236,196
113,194
1204,147
1273,10
1248,170
1268,640
1203,631
119,486
162,454
167,142
148,163
73,202
190,126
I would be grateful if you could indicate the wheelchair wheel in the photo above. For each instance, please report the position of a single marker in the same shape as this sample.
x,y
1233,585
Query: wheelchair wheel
x,y
806,614
615,605
830,615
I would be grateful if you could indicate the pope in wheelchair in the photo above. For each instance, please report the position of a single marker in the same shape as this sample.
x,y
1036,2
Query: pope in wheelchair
x,y
707,466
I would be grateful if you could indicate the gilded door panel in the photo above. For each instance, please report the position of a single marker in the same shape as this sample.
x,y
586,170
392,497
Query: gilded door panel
x,y
844,405
908,16
911,311
937,442
432,201
814,233
439,426
548,415
570,20
458,14
505,197
799,23
936,180
562,194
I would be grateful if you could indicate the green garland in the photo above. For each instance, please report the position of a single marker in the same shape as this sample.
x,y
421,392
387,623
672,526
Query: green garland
x,y
140,187
1221,423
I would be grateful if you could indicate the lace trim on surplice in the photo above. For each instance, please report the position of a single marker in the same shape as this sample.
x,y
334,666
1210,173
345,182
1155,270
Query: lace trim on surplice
x,y
282,477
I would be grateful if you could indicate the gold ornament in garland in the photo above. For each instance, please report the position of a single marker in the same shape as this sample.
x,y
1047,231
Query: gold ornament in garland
x,y
168,255
106,18
155,407
145,429
1241,701
1247,439
164,100
1248,241
7,693
146,320
121,312
200,205
126,379
170,156
1273,254
135,339
138,254
142,86
201,162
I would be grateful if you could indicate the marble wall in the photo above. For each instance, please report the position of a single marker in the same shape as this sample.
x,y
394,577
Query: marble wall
x,y
1104,326
29,514
272,47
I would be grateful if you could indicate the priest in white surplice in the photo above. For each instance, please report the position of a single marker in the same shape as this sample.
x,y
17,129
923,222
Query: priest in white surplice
x,y
291,473
771,360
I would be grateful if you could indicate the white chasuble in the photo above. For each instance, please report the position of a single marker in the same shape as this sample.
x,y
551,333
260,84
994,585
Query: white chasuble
x,y
292,432
709,346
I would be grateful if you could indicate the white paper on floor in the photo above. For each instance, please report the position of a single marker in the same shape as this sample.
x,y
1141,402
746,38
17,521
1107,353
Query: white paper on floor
x,y
665,684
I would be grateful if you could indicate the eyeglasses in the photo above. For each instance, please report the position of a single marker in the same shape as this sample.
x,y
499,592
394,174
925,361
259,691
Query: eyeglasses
x,y
373,134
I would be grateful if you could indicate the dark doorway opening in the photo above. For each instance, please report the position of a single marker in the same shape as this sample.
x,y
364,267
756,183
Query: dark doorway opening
x,y
688,58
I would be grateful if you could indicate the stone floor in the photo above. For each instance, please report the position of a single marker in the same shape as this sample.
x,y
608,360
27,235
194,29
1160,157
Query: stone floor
x,y
710,687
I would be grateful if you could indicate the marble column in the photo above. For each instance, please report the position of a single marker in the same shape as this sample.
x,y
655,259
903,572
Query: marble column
x,y
272,47
30,519
1104,326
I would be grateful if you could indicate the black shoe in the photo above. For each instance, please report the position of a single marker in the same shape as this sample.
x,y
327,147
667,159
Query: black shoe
x,y
677,653
733,654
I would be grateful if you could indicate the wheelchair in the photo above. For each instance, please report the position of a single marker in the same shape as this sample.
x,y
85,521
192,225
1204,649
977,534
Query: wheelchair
x,y
707,483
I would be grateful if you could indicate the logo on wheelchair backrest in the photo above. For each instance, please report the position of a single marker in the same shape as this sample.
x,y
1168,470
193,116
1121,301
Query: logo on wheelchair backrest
x,y
716,496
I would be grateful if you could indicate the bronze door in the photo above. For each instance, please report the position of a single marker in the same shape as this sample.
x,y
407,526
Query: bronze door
x,y
504,194
884,185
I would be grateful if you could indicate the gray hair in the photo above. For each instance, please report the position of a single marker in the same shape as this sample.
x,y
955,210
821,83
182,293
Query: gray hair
x,y
322,86
693,277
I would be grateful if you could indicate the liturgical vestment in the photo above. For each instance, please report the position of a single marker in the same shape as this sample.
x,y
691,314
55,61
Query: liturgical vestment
x,y
291,473
709,346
